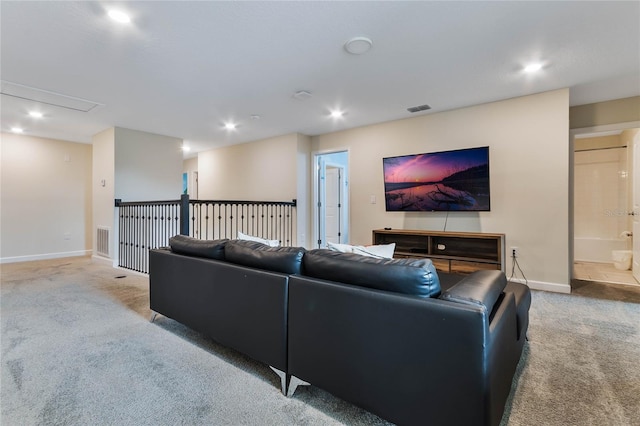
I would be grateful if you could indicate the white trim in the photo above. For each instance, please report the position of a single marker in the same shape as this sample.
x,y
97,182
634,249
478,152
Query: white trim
x,y
315,194
102,259
45,256
544,286
603,128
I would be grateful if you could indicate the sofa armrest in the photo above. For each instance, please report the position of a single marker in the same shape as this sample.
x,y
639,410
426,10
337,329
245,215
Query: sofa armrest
x,y
481,288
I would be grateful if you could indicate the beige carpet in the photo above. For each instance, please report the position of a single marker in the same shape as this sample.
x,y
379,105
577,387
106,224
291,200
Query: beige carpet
x,y
581,363
77,349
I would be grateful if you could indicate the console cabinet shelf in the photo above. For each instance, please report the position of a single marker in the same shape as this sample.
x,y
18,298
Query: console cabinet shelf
x,y
457,252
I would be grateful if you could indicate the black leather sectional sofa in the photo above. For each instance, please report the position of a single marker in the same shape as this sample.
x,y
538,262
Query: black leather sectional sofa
x,y
391,336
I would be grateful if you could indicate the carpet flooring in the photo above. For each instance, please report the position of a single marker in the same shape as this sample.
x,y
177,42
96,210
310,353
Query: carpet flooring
x,y
77,348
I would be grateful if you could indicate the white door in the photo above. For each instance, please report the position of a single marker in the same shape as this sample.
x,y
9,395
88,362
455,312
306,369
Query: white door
x,y
333,204
635,174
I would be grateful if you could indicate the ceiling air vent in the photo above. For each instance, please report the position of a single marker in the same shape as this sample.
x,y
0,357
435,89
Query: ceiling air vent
x,y
419,108
302,95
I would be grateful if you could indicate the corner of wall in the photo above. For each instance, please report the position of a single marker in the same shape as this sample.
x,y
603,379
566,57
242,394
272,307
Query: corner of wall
x,y
303,190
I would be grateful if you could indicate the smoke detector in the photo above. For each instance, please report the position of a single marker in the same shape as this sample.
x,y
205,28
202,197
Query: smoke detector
x,y
358,45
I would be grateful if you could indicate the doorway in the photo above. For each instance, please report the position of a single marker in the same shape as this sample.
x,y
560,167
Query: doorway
x,y
606,179
331,198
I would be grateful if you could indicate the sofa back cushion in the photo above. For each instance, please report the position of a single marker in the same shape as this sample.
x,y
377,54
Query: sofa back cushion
x,y
211,249
409,276
287,260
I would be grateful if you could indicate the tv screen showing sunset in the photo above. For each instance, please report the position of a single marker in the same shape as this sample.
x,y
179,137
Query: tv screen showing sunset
x,y
440,181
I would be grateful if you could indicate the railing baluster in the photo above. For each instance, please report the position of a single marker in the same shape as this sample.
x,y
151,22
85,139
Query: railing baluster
x,y
147,225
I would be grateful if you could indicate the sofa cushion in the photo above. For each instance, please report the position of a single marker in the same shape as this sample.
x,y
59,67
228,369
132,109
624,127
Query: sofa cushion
x,y
212,249
409,276
257,255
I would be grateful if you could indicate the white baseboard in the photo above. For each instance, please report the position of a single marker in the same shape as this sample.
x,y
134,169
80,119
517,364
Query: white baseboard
x,y
544,286
30,258
105,260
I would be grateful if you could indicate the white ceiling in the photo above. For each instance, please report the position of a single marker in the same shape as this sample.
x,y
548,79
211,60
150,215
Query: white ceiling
x,y
184,68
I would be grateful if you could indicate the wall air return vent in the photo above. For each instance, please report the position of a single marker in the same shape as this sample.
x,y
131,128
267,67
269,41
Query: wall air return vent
x,y
102,241
419,108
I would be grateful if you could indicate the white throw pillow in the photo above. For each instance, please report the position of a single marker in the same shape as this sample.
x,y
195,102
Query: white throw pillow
x,y
380,251
342,248
270,243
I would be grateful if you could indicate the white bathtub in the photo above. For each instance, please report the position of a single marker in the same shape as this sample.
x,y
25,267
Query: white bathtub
x,y
598,249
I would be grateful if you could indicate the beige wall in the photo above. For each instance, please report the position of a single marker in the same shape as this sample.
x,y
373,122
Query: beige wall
x,y
529,171
601,113
132,166
263,170
148,167
274,169
303,189
103,182
528,139
45,198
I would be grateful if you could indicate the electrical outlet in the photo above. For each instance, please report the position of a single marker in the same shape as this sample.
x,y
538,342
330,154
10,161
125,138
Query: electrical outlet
x,y
514,252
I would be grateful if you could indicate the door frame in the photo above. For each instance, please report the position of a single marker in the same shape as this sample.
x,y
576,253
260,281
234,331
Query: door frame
x,y
317,190
572,135
635,206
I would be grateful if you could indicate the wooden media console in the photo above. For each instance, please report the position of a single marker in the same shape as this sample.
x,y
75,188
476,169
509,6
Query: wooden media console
x,y
457,252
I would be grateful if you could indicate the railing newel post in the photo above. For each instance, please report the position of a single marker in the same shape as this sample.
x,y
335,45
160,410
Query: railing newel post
x,y
184,214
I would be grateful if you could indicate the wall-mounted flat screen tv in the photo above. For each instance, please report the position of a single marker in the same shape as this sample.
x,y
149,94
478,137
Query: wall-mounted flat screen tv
x,y
440,181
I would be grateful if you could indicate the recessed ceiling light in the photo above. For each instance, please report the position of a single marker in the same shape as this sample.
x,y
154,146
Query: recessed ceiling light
x,y
533,67
230,126
35,114
185,148
17,130
119,16
358,45
337,113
